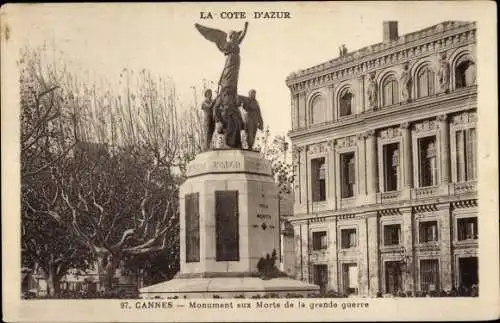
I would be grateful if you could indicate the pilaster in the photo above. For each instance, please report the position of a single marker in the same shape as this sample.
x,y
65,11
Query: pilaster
x,y
373,253
332,175
332,109
303,179
371,165
305,252
445,241
444,134
407,243
362,163
407,161
294,104
363,258
332,256
298,249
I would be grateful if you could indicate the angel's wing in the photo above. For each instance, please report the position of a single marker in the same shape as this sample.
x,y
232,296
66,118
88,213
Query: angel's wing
x,y
214,35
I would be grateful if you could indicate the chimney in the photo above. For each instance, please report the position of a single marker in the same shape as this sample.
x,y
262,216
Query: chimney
x,y
390,31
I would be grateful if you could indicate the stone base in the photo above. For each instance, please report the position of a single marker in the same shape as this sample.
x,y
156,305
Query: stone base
x,y
227,287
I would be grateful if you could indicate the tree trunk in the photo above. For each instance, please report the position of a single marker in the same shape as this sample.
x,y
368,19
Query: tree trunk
x,y
107,264
53,287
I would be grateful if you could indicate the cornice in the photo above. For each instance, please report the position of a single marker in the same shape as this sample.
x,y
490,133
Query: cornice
x,y
435,203
382,55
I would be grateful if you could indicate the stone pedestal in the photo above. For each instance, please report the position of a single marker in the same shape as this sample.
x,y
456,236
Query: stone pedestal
x,y
228,222
247,179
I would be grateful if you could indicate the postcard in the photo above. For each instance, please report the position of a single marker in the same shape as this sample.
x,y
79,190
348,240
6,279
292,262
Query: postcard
x,y
249,161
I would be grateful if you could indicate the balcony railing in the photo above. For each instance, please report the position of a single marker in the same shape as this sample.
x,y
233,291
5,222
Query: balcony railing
x,y
465,187
423,192
384,197
418,193
348,202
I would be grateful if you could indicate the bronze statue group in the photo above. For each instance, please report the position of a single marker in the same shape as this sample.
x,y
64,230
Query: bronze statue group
x,y
226,125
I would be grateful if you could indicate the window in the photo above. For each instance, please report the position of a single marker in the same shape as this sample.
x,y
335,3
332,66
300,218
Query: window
x,y
467,229
319,240
429,275
428,231
390,92
192,227
350,278
466,154
391,167
320,277
393,277
392,234
318,110
318,178
348,238
427,158
425,82
226,226
465,74
346,99
348,175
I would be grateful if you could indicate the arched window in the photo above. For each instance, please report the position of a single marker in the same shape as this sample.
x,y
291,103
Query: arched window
x,y
465,74
318,110
425,82
390,92
346,99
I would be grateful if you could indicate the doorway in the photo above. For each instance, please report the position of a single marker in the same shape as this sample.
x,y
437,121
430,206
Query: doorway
x,y
468,271
393,277
321,277
350,279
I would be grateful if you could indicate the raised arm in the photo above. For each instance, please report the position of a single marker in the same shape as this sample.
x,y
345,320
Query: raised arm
x,y
243,33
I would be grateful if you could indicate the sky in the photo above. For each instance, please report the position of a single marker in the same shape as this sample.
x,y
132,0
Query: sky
x,y
102,39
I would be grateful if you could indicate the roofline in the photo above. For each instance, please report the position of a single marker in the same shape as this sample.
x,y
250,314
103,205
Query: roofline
x,y
368,50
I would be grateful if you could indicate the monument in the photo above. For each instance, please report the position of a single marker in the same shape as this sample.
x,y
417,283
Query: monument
x,y
229,222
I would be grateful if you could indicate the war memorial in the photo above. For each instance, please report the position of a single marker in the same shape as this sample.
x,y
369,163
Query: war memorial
x,y
229,223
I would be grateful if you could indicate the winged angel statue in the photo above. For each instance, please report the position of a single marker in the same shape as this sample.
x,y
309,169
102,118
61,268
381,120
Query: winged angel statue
x,y
224,109
229,47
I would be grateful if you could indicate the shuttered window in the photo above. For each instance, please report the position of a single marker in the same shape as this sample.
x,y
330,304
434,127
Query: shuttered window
x,y
392,234
318,179
390,91
466,154
428,231
467,229
348,175
319,240
425,82
427,159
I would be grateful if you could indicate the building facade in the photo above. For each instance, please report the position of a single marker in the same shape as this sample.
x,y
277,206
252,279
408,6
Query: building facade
x,y
385,155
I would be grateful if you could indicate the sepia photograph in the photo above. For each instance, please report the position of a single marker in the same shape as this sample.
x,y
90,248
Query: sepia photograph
x,y
249,161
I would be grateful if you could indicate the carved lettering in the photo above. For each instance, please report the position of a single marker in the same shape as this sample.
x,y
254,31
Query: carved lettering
x,y
226,164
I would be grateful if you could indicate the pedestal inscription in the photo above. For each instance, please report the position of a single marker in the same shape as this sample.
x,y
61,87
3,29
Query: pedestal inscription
x,y
226,226
192,227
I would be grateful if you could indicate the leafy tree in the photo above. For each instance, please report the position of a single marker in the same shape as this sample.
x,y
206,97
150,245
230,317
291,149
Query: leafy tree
x,y
275,149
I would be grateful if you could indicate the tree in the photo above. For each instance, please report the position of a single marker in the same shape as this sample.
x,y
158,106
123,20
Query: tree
x,y
45,142
46,244
275,149
45,137
101,164
118,187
